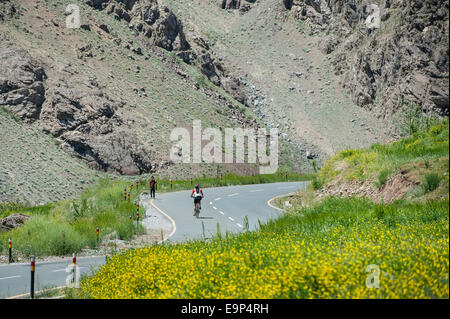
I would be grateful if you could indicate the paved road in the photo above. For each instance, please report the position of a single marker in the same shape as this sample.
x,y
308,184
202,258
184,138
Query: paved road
x,y
15,278
227,206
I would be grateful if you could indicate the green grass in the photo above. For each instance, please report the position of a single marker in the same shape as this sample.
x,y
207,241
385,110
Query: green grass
x,y
362,164
100,206
316,183
7,113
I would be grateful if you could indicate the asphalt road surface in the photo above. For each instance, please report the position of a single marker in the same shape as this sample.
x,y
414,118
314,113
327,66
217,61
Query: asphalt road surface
x,y
15,278
226,206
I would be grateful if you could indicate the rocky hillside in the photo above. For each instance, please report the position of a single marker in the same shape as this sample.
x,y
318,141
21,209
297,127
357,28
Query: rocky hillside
x,y
289,82
322,73
405,59
104,97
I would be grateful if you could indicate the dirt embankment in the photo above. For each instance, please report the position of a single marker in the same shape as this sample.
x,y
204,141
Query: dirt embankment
x,y
395,188
409,181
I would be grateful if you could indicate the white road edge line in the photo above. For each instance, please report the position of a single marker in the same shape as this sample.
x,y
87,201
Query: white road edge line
x,y
221,212
269,202
214,207
231,219
218,198
68,259
36,292
239,225
256,190
171,220
59,270
231,195
10,277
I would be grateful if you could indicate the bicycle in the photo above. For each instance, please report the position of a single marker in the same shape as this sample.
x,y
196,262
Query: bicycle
x,y
197,210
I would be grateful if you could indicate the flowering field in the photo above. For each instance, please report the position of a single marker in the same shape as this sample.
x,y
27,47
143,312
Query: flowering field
x,y
319,252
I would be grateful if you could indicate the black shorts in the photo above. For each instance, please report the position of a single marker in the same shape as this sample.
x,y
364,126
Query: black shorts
x,y
197,200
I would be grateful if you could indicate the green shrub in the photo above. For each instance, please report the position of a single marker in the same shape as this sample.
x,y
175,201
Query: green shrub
x,y
316,183
431,182
42,236
382,178
127,229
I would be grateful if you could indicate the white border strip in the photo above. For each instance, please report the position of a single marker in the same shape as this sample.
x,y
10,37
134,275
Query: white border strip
x,y
174,228
269,202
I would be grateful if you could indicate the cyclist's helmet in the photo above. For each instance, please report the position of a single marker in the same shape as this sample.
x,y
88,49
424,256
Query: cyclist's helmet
x,y
197,186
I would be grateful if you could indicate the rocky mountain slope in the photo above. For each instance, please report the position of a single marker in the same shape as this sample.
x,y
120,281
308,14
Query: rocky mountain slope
x,y
104,97
289,82
405,59
322,73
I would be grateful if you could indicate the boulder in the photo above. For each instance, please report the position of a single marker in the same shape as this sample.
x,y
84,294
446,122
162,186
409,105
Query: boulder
x,y
209,68
242,5
74,109
21,82
12,221
7,10
236,89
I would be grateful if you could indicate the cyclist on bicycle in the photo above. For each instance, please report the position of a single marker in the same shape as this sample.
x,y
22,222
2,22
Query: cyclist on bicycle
x,y
197,194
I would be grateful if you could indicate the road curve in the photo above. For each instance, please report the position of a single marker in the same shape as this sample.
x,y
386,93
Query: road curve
x,y
227,206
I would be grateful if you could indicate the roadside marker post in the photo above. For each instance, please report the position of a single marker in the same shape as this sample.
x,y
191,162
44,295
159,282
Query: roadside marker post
x,y
137,185
63,242
74,265
129,196
191,180
32,268
171,184
10,251
137,219
125,193
97,232
286,175
137,215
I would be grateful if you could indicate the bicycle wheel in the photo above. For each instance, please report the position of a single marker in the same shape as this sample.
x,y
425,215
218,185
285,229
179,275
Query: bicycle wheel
x,y
197,210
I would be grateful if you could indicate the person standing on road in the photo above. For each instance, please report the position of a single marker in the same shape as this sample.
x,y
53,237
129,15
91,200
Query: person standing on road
x,y
153,187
